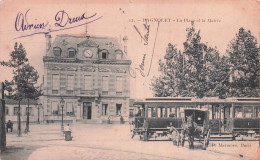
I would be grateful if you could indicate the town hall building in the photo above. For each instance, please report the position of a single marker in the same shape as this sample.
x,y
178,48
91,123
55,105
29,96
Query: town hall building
x,y
86,78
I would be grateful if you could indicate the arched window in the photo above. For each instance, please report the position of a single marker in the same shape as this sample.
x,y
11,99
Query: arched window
x,y
119,54
71,52
104,54
56,51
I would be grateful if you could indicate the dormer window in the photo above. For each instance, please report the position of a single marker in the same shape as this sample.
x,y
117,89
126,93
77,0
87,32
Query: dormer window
x,y
104,54
119,54
72,52
57,52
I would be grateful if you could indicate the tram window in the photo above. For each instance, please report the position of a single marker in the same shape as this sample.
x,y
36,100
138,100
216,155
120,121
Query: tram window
x,y
227,112
238,112
257,112
248,112
164,112
171,112
149,112
160,112
142,111
215,113
168,112
181,112
178,112
153,112
210,112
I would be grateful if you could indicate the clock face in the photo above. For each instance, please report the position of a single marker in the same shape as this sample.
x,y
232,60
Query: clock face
x,y
88,53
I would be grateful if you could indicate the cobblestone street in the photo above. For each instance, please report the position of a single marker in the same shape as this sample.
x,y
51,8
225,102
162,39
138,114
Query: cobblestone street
x,y
104,141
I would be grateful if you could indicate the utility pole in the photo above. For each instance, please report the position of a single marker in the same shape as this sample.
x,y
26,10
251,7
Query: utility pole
x,y
2,119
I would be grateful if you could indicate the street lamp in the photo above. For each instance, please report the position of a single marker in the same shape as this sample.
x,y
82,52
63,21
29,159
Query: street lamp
x,y
62,106
39,106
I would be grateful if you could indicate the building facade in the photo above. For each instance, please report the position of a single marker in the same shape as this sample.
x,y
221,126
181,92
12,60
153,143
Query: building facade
x,y
35,110
90,74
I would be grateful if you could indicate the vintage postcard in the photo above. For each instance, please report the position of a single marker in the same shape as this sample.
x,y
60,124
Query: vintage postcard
x,y
129,79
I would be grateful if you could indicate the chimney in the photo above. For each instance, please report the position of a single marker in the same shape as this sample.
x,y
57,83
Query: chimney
x,y
48,42
125,44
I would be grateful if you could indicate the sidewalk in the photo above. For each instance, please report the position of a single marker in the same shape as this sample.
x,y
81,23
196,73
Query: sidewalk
x,y
106,141
38,132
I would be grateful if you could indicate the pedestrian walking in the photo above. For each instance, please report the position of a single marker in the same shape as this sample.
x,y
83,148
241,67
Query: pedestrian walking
x,y
121,120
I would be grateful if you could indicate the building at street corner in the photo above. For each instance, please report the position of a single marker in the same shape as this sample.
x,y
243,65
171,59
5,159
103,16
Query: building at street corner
x,y
91,74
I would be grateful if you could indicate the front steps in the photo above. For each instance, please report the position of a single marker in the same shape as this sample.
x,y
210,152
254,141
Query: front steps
x,y
224,137
89,121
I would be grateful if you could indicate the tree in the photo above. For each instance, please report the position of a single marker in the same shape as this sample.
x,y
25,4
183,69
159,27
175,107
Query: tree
x,y
170,82
193,73
200,64
219,85
22,86
28,77
14,87
243,52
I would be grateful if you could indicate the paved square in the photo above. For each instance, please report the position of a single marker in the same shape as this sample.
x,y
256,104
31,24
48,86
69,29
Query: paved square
x,y
113,141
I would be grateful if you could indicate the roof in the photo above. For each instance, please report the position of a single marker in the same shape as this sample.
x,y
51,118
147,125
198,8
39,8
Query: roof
x,y
169,98
190,100
23,102
195,109
65,42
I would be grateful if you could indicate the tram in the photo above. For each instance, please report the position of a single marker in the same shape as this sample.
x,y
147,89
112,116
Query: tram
x,y
234,116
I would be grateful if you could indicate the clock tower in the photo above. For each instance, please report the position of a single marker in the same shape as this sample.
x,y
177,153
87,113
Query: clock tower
x,y
88,49
88,53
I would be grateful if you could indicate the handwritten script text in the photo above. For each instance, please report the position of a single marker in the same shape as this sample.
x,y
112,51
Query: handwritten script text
x,y
62,22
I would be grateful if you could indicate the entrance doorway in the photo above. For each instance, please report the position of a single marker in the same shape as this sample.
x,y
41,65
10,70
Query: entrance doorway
x,y
221,118
118,109
227,118
87,109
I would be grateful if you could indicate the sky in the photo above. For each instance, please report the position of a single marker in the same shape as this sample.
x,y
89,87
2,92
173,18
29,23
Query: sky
x,y
218,22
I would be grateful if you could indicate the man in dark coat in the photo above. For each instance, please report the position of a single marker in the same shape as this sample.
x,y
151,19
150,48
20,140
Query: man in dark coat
x,y
9,125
